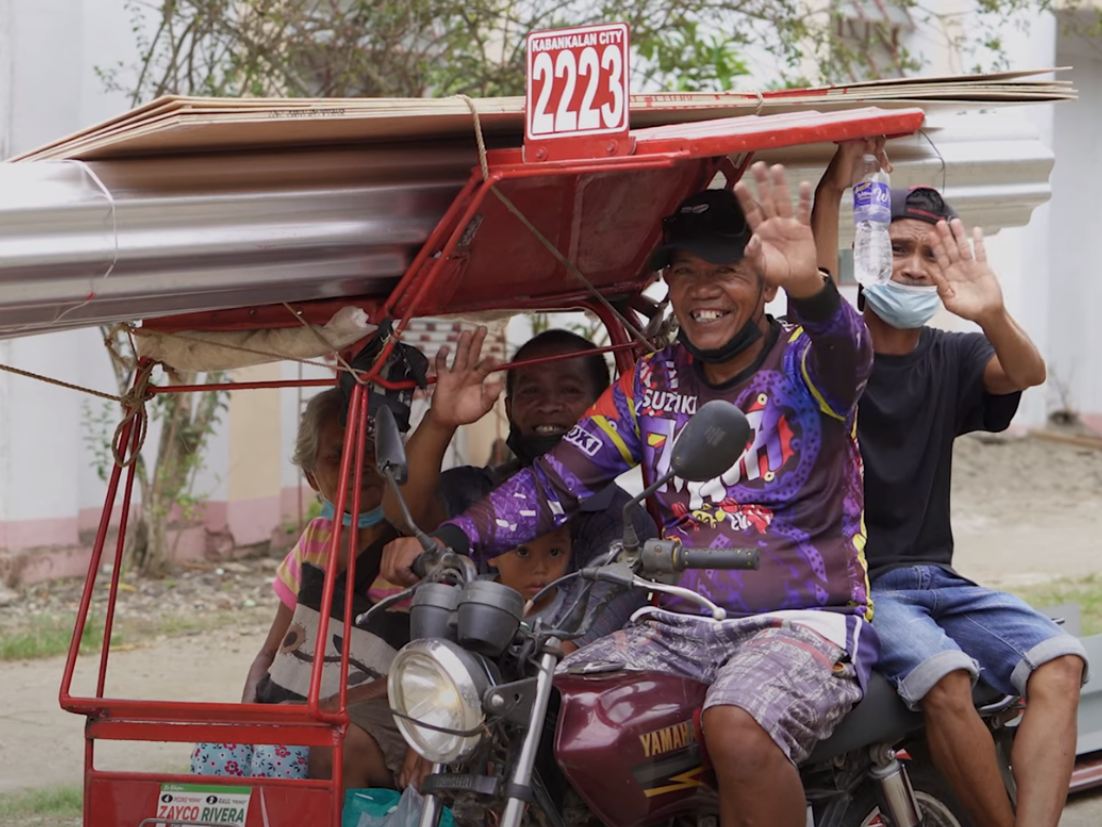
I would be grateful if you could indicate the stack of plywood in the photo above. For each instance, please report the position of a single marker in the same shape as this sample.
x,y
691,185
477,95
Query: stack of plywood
x,y
174,124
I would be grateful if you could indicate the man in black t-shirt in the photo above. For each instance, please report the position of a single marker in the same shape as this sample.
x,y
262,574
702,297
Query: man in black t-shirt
x,y
542,402
939,631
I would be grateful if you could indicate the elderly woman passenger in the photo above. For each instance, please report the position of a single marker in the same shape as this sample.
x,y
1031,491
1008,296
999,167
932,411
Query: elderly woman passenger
x,y
373,748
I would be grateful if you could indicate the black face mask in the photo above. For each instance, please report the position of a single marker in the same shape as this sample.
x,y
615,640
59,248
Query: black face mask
x,y
530,448
746,336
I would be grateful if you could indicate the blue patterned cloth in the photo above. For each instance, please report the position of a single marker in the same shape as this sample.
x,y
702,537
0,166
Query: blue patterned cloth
x,y
247,760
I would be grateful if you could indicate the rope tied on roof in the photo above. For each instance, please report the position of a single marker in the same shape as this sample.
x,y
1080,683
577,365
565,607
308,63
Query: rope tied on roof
x,y
546,242
133,403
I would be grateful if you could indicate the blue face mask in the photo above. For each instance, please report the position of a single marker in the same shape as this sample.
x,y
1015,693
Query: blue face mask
x,y
903,306
367,519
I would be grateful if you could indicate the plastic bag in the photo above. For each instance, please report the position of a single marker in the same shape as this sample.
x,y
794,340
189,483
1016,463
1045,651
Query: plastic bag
x,y
386,808
408,811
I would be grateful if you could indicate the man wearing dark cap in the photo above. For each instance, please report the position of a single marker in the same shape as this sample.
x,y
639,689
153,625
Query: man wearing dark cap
x,y
940,632
793,655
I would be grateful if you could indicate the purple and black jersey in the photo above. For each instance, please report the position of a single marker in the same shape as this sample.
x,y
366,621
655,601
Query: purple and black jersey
x,y
796,494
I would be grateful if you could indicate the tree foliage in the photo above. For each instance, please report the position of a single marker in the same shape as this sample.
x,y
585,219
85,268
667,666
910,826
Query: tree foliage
x,y
415,48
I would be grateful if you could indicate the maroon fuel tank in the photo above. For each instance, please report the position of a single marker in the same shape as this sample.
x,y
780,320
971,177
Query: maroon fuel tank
x,y
627,743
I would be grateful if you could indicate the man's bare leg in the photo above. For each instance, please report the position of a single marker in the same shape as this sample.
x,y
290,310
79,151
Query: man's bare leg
x,y
964,751
1044,745
758,785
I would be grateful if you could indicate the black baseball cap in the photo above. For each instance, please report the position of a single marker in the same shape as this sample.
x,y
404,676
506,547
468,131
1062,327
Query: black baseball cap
x,y
921,203
710,224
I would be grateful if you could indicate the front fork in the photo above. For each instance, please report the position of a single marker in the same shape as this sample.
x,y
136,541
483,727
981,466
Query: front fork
x,y
897,797
518,785
431,805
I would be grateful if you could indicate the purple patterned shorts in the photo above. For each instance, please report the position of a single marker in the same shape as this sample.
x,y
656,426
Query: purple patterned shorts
x,y
795,683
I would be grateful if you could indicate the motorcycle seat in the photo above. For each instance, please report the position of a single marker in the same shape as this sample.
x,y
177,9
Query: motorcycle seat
x,y
880,716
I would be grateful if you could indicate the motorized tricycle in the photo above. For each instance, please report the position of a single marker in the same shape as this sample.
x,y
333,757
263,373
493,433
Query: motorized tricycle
x,y
544,227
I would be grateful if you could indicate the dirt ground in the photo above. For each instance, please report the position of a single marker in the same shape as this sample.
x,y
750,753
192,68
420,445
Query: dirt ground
x,y
1025,512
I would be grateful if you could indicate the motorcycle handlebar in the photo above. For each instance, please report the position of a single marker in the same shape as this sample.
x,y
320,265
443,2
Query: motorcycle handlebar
x,y
729,559
429,563
670,557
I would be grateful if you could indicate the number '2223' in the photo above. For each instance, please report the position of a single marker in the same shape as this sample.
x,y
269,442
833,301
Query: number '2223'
x,y
587,117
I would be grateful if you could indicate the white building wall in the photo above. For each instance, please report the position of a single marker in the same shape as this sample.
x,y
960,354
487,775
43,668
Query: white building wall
x,y
1021,254
1075,339
49,491
46,463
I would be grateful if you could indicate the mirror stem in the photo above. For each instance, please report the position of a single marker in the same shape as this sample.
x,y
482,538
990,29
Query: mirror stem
x,y
427,543
631,539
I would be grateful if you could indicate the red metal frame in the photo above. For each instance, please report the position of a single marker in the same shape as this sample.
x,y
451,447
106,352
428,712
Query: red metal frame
x,y
377,380
669,163
602,214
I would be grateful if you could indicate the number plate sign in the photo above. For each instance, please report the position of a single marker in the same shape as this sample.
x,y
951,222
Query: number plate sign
x,y
577,96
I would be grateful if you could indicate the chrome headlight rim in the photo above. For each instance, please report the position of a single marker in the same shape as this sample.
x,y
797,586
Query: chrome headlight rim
x,y
467,679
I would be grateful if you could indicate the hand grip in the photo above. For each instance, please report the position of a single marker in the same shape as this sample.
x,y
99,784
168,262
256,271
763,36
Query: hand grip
x,y
420,565
715,558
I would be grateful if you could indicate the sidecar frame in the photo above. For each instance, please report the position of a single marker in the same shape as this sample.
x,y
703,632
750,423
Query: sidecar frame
x,y
519,236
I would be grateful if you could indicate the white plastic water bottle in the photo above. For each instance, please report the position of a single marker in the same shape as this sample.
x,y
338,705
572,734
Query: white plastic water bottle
x,y
872,214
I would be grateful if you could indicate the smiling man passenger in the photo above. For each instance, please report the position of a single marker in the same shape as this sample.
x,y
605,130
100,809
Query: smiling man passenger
x,y
792,661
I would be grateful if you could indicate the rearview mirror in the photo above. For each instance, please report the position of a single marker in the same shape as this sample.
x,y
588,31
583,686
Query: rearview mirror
x,y
390,454
711,442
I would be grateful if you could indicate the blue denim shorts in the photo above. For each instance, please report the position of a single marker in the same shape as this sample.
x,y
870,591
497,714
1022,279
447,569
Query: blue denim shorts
x,y
932,622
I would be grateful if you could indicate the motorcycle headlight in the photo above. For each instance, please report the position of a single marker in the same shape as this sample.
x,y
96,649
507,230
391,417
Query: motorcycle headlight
x,y
436,682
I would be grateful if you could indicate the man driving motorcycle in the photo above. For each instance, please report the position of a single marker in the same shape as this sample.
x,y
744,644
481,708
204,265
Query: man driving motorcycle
x,y
938,629
794,659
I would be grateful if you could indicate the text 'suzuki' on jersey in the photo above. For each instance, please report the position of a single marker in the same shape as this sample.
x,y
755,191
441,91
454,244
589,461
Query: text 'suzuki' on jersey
x,y
656,402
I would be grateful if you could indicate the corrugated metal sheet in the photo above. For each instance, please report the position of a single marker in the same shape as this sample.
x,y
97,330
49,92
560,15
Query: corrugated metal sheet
x,y
149,237
158,236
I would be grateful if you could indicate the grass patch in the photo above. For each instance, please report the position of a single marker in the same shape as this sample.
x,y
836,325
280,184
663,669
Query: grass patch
x,y
59,802
44,636
1086,591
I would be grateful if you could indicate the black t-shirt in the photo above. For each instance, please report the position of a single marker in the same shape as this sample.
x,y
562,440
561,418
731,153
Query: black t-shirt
x,y
599,520
913,408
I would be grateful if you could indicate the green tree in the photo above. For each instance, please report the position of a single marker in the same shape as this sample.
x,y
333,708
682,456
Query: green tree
x,y
166,487
415,48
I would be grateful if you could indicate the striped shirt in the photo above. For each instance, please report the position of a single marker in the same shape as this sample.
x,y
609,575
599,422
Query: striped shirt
x,y
313,548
